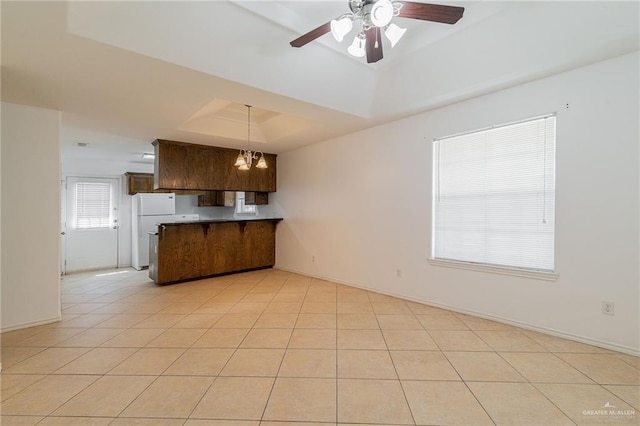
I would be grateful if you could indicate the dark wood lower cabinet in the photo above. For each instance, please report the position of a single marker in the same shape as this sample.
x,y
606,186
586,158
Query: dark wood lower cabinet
x,y
186,251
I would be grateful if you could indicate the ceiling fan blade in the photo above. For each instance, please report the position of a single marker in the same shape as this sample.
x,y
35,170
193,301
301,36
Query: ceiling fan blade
x,y
311,35
373,46
431,12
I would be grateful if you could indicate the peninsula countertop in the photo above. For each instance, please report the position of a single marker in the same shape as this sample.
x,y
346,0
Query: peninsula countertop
x,y
184,251
206,221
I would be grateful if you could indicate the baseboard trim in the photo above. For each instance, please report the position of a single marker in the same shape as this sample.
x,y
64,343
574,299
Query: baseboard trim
x,y
31,324
550,331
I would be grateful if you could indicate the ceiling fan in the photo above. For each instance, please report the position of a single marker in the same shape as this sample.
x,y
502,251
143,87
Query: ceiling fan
x,y
374,16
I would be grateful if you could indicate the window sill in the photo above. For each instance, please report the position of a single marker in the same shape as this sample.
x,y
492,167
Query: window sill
x,y
538,275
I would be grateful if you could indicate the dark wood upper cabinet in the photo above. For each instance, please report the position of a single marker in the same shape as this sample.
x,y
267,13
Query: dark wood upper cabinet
x,y
143,183
256,198
180,165
139,182
217,198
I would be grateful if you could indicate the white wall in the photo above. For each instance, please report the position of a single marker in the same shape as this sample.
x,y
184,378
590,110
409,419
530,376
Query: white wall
x,y
361,206
30,216
0,229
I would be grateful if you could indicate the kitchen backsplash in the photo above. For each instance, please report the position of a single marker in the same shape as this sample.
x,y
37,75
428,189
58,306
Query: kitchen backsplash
x,y
188,204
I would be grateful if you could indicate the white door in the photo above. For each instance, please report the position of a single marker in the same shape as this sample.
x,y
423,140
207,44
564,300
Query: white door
x,y
92,223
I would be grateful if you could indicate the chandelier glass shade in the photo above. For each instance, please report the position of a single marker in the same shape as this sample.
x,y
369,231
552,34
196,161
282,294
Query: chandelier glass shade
x,y
367,14
246,156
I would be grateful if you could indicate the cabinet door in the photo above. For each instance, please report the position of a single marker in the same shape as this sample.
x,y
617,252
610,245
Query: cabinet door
x,y
183,252
139,182
228,198
258,247
217,198
180,165
208,199
256,198
143,183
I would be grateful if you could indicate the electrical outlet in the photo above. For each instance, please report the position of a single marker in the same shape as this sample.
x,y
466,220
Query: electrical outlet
x,y
399,273
608,308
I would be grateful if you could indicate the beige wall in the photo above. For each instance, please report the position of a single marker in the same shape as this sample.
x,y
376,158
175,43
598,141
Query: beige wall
x,y
30,219
358,208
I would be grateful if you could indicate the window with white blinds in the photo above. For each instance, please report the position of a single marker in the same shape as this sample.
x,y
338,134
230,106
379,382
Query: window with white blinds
x,y
494,196
92,205
241,207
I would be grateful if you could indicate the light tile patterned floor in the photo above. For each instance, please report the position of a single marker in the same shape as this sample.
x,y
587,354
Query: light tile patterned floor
x,y
272,348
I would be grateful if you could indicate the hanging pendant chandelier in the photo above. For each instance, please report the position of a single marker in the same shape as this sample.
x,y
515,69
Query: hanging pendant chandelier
x,y
246,156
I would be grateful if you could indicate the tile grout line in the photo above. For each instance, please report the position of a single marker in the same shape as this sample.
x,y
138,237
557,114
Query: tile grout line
x,y
157,376
484,409
150,383
337,379
526,380
273,385
228,285
404,394
230,357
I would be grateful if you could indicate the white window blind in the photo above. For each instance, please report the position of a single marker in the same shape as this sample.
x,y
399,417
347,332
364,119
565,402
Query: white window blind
x,y
494,196
92,205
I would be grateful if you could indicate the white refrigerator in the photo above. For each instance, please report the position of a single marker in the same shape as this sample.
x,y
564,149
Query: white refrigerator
x,y
147,210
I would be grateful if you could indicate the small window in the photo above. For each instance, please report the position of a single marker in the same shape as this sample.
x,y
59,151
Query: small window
x,y
92,205
241,207
494,196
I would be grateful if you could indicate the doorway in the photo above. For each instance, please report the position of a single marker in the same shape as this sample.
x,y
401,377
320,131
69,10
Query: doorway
x,y
90,232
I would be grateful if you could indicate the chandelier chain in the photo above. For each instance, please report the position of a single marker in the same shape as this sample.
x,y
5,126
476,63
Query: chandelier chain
x,y
248,126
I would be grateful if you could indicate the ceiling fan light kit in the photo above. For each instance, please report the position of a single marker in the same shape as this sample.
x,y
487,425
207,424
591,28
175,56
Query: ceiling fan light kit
x,y
357,47
394,33
341,27
373,15
382,11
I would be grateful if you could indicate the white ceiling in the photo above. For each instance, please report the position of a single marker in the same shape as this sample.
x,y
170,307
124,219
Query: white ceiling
x,y
126,73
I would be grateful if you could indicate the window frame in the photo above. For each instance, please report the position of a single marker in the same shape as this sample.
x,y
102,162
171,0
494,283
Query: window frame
x,y
76,219
548,275
242,208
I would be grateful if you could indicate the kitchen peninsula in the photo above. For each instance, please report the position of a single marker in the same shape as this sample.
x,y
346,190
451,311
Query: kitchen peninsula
x,y
191,250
